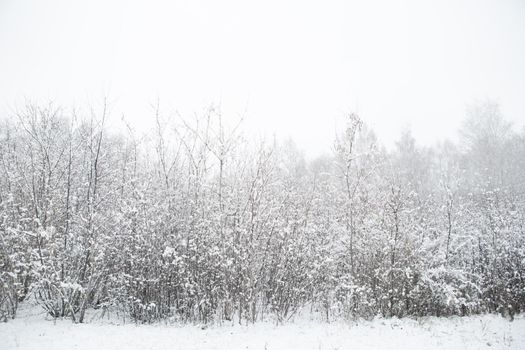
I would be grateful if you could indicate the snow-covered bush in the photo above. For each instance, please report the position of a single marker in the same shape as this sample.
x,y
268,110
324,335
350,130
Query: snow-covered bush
x,y
195,224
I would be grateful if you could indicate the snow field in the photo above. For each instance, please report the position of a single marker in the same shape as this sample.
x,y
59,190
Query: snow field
x,y
475,332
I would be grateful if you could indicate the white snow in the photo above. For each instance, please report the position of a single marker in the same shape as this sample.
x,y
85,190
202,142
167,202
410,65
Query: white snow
x,y
32,331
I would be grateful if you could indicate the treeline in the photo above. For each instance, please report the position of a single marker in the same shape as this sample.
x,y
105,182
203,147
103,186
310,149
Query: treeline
x,y
197,224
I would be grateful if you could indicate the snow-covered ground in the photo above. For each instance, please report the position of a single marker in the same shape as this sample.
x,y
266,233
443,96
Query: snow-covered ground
x,y
31,331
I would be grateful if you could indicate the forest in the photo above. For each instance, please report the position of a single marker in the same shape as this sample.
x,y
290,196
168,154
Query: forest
x,y
196,222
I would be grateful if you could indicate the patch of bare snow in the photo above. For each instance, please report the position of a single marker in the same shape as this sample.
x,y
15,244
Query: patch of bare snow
x,y
30,330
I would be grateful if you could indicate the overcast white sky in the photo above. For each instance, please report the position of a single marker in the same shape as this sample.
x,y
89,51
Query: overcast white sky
x,y
293,67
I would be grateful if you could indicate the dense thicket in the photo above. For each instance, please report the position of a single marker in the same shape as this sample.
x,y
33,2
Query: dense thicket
x,y
194,223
